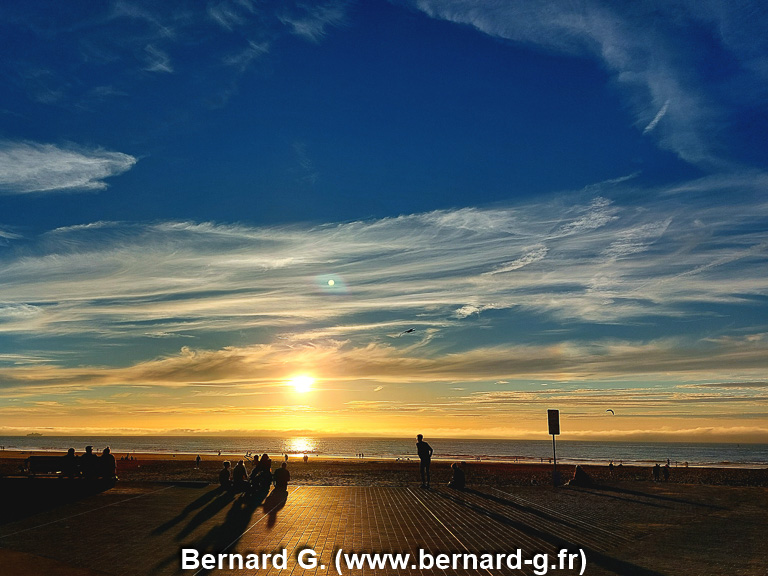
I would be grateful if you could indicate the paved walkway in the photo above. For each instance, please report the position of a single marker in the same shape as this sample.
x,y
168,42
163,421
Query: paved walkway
x,y
140,529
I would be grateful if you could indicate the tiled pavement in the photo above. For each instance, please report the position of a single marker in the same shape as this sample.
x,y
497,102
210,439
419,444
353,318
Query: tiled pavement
x,y
137,530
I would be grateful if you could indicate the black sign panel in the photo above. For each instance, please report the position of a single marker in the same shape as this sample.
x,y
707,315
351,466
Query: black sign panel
x,y
554,421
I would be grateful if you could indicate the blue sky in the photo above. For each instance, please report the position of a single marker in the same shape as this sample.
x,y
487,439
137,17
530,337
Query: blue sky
x,y
567,203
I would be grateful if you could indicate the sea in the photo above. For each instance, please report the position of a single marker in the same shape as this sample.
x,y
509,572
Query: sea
x,y
566,451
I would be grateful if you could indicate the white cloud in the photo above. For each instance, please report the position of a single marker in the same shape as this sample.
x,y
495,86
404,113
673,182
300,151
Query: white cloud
x,y
27,167
640,44
656,119
157,60
313,20
530,257
244,58
572,258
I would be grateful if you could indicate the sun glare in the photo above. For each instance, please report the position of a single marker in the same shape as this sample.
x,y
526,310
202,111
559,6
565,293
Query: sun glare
x,y
302,384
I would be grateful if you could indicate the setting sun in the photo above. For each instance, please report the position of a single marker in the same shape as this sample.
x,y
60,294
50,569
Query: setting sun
x,y
302,383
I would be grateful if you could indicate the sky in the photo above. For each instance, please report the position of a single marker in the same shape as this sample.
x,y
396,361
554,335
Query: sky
x,y
385,217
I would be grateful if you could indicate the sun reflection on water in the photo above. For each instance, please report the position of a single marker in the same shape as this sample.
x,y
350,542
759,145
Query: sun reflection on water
x,y
301,446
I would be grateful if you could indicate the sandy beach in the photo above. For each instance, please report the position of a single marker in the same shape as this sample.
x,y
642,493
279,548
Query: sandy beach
x,y
325,471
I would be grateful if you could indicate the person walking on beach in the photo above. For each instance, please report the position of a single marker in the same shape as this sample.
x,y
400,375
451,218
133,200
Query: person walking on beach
x,y
424,451
197,461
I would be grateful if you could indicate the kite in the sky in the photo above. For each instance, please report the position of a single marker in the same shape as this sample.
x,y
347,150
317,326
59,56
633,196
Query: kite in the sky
x,y
611,411
409,331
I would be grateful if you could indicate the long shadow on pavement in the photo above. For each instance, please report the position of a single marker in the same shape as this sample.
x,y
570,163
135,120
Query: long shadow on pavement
x,y
594,556
205,497
222,536
602,488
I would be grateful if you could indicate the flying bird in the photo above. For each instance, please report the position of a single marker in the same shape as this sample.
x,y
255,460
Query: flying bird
x,y
611,411
409,331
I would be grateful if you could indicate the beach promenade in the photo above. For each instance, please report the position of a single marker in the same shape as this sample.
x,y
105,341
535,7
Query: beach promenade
x,y
138,529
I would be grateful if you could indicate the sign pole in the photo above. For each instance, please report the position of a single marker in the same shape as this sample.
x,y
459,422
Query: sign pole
x,y
553,417
554,470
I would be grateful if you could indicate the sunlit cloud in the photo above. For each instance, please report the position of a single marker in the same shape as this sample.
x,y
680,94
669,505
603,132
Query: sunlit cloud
x,y
583,301
268,365
27,167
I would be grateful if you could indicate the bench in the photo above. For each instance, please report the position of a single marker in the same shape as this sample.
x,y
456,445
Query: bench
x,y
51,465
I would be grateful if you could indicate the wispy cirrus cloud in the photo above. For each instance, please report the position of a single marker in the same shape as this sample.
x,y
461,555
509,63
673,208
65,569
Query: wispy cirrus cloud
x,y
656,119
587,260
311,21
157,60
640,45
29,167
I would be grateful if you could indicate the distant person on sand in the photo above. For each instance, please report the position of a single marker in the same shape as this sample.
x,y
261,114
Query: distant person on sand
x,y
89,464
666,472
458,480
225,476
282,477
424,451
306,458
197,461
108,465
239,477
656,472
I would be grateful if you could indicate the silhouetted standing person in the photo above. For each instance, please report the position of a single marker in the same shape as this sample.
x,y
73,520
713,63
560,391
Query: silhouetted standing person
x,y
666,473
424,451
197,461
656,472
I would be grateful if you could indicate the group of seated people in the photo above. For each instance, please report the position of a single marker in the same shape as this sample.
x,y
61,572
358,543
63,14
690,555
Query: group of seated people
x,y
90,466
258,481
261,477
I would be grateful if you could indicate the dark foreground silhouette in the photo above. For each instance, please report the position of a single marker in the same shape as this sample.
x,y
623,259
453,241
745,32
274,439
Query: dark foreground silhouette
x,y
22,497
